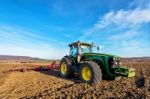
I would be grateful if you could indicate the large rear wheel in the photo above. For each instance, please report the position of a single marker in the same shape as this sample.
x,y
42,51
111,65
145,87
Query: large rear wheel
x,y
90,72
66,70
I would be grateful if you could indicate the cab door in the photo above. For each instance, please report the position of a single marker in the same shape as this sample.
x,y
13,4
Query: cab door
x,y
73,51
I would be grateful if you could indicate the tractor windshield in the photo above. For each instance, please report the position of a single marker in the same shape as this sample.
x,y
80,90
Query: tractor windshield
x,y
85,49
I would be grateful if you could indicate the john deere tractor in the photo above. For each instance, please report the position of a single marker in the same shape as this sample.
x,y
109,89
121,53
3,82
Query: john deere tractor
x,y
92,67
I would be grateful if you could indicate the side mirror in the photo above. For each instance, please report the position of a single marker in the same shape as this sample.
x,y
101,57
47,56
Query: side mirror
x,y
98,48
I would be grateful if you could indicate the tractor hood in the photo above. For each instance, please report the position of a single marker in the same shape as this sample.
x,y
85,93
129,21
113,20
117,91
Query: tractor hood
x,y
100,54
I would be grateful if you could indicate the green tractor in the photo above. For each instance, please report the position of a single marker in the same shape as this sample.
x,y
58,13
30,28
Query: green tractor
x,y
92,67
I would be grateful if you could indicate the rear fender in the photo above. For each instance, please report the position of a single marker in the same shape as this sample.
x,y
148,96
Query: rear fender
x,y
74,63
105,65
71,59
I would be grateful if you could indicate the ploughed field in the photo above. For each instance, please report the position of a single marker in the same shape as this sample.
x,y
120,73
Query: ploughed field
x,y
32,84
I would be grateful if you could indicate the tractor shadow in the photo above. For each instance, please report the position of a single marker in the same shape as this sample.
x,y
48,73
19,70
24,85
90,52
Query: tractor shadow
x,y
55,73
75,78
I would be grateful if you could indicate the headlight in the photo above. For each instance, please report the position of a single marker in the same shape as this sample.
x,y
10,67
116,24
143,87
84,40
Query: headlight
x,y
119,63
115,63
114,58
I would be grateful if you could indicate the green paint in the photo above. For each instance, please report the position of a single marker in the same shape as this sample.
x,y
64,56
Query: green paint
x,y
103,58
81,48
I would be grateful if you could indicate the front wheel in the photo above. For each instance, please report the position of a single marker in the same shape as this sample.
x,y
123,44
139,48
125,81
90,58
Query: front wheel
x,y
66,70
90,72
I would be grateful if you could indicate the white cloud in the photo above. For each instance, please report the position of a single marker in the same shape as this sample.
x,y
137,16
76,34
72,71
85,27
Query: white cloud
x,y
14,41
122,17
124,30
124,36
139,3
21,34
40,51
133,48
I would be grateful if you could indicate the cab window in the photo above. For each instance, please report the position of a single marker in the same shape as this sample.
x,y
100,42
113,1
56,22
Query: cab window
x,y
73,51
85,49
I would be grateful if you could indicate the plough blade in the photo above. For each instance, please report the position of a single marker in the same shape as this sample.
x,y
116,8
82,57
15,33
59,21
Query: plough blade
x,y
52,66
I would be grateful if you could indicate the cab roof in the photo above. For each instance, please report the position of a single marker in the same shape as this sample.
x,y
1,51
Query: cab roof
x,y
82,43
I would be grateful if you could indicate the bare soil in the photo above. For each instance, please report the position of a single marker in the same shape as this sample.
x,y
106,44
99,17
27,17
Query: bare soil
x,y
45,85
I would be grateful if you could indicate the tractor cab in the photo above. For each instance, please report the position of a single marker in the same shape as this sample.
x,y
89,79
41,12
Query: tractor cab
x,y
77,49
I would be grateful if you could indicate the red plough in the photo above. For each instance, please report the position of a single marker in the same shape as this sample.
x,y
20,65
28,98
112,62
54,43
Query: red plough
x,y
53,66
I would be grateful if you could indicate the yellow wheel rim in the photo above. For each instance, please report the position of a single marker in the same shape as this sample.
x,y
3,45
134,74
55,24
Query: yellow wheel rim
x,y
63,68
86,73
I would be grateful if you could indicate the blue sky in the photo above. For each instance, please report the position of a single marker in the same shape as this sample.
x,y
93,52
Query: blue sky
x,y
44,28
